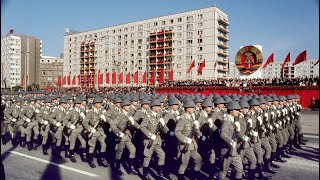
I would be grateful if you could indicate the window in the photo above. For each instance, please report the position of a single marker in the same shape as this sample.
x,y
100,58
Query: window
x,y
163,23
179,27
179,35
200,24
189,19
199,40
199,33
171,21
179,19
200,56
200,16
189,26
189,34
132,28
155,24
140,27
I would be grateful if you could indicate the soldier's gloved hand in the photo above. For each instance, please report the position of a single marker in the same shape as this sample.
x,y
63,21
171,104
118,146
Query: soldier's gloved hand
x,y
255,133
161,120
237,124
278,112
72,126
28,120
259,120
196,124
233,144
103,117
131,120
13,120
171,133
153,137
280,123
93,130
189,141
203,138
58,124
271,128
277,125
210,122
36,110
82,115
298,114
121,134
178,117
272,115
45,122
266,115
246,138
250,122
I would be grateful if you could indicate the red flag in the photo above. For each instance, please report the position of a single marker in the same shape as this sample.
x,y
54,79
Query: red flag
x,y
202,65
128,80
136,77
59,83
74,80
269,60
121,77
79,79
301,57
69,79
100,78
144,77
170,76
161,76
64,80
192,65
286,60
114,78
153,76
316,63
107,78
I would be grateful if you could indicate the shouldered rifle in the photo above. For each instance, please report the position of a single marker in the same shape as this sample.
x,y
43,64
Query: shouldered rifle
x,y
186,147
67,130
155,133
94,127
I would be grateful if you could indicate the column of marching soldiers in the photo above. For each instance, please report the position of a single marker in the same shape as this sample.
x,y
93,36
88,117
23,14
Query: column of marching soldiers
x,y
246,133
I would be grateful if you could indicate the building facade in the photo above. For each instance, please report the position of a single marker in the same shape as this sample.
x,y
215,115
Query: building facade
x,y
146,49
50,70
10,61
20,58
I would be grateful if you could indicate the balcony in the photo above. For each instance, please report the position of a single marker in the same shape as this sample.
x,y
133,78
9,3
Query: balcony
x,y
153,34
223,45
222,60
222,52
223,36
223,21
152,55
223,29
160,40
223,69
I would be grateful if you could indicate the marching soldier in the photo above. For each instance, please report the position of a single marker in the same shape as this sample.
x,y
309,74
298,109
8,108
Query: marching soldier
x,y
16,118
122,127
43,119
72,131
255,128
230,136
92,123
245,149
6,122
187,131
134,105
150,127
298,129
56,126
283,125
30,112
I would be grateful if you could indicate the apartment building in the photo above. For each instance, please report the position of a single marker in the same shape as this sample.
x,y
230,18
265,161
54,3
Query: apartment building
x,y
20,58
50,70
139,53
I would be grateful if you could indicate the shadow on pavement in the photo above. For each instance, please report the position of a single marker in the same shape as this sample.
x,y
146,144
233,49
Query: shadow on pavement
x,y
308,153
52,171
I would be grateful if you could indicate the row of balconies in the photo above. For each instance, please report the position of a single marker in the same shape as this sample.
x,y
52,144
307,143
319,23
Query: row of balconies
x,y
223,21
159,62
223,36
160,55
161,32
223,29
87,43
222,52
223,45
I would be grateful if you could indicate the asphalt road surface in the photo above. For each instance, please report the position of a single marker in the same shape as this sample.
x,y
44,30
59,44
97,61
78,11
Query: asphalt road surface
x,y
24,165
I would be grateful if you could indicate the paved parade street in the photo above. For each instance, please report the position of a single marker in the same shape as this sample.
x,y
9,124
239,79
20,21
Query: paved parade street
x,y
22,164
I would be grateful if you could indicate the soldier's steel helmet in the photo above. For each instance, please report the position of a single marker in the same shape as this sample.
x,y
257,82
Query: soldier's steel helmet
x,y
233,105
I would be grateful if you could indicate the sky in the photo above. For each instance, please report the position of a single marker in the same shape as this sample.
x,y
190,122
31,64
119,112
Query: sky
x,y
279,26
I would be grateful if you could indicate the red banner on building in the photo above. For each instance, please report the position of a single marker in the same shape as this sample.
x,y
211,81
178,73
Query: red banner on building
x,y
161,76
128,78
192,65
301,57
170,75
202,65
107,78
136,77
121,77
144,77
114,78
59,83
269,60
74,80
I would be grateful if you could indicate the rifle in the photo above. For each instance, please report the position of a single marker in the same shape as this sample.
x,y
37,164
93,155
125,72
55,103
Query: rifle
x,y
67,130
155,131
94,127
186,147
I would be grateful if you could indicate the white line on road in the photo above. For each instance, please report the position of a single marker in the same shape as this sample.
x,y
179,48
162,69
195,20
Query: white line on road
x,y
55,164
311,136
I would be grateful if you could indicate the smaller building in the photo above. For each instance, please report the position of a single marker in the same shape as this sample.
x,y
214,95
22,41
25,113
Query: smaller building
x,y
50,70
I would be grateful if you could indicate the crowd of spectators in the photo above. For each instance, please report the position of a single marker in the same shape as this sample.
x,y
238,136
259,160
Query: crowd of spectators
x,y
235,82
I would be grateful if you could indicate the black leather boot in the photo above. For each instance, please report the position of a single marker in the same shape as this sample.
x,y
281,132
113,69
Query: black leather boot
x,y
272,160
145,171
117,168
102,161
83,155
66,151
301,141
131,165
57,152
44,149
37,143
267,167
251,174
284,154
90,160
5,139
279,157
23,141
262,175
213,172
180,177
160,173
14,142
30,146
72,157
